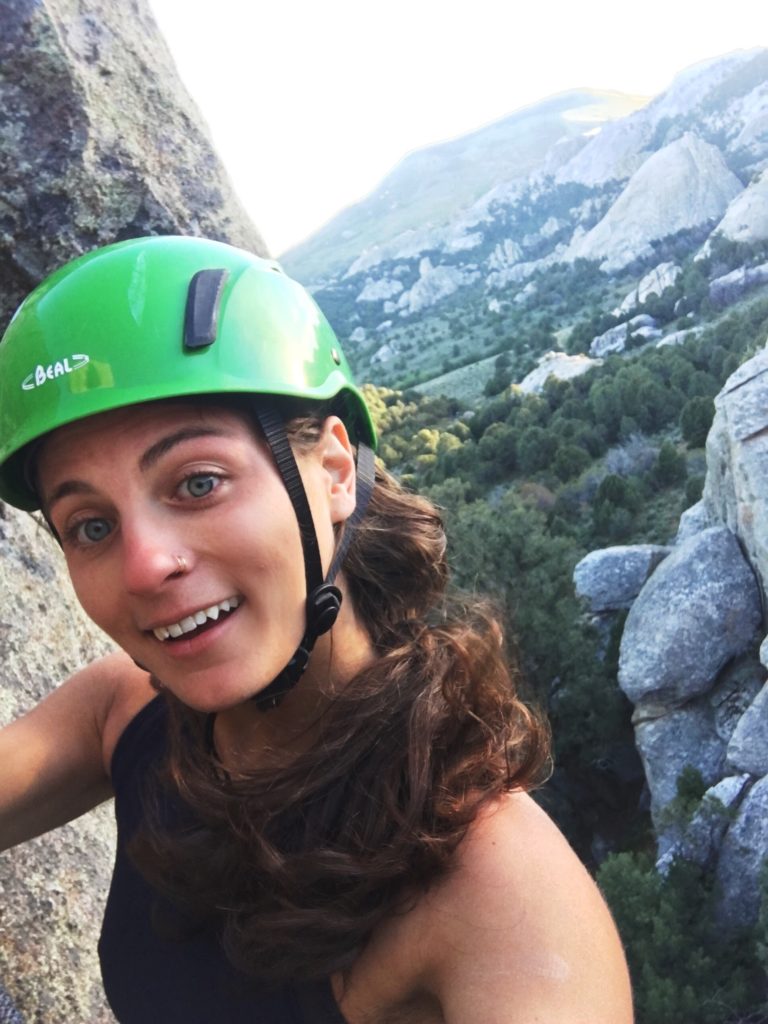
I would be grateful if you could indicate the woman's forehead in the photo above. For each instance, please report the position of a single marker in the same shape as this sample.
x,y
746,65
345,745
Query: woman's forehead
x,y
131,429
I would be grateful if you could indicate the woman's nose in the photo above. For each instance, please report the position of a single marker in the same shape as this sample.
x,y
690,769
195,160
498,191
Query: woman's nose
x,y
151,557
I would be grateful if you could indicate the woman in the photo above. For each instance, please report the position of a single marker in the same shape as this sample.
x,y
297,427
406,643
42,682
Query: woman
x,y
322,816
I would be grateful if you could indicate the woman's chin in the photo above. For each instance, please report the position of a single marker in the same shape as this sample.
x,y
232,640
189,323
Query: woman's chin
x,y
209,695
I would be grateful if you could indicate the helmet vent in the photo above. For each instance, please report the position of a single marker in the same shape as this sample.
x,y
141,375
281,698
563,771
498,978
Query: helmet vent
x,y
202,314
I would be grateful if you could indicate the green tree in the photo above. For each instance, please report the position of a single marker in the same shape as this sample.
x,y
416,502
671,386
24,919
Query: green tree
x,y
696,419
694,488
683,970
670,465
536,449
570,460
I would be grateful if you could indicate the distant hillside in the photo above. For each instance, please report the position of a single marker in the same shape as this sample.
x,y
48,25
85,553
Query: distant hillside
x,y
552,228
430,186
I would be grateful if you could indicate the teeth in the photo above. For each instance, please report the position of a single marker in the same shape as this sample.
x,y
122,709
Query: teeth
x,y
199,618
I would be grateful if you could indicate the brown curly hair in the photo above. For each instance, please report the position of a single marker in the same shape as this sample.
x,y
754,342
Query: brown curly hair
x,y
296,864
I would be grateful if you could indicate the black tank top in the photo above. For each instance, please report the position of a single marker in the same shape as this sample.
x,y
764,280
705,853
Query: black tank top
x,y
150,979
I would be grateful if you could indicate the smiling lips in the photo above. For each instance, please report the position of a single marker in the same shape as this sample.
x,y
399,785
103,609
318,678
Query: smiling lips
x,y
194,622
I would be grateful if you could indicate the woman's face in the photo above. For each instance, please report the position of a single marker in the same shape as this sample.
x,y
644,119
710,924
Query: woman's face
x,y
132,491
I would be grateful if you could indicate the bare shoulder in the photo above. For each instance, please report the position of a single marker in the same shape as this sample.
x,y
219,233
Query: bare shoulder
x,y
516,933
127,689
521,933
103,696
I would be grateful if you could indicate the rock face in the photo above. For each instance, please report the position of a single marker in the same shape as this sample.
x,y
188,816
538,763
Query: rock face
x,y
653,283
615,338
610,579
433,283
737,452
54,887
730,287
699,610
748,747
746,219
742,855
689,660
682,186
557,365
99,142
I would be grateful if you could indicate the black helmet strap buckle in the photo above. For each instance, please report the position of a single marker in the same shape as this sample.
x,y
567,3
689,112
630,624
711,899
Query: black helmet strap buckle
x,y
323,598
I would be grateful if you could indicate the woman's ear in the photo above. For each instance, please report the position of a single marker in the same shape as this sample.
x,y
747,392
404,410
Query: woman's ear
x,y
338,462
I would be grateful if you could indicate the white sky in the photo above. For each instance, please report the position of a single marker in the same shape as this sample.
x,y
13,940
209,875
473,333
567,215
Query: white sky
x,y
311,102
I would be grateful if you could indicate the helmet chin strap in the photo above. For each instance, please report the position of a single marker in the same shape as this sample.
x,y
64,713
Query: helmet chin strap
x,y
323,598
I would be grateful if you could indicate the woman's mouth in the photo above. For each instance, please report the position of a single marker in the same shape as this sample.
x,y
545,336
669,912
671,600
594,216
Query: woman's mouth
x,y
196,622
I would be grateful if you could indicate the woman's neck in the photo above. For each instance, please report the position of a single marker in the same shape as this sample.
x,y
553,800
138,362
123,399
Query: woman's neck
x,y
246,737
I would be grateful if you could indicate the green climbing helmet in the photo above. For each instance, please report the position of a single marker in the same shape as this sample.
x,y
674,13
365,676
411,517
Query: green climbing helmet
x,y
161,317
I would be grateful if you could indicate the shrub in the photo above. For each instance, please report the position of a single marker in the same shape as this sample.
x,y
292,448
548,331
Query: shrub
x,y
683,971
670,465
694,488
696,419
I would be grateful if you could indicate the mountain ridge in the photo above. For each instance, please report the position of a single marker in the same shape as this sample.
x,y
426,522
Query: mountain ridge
x,y
474,167
659,185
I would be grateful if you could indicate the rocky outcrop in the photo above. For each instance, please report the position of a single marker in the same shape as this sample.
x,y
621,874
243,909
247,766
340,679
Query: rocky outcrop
x,y
434,283
610,579
644,189
729,288
99,142
737,454
557,365
748,747
684,185
742,858
678,337
447,188
689,661
655,282
698,611
695,519
699,840
379,291
746,219
615,338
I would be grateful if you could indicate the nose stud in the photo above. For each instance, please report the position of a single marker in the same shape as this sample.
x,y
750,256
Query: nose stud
x,y
181,562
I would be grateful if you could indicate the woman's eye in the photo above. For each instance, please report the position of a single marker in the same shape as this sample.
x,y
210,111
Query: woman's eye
x,y
200,485
92,531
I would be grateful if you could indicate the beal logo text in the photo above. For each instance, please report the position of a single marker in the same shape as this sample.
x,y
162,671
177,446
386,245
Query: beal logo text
x,y
41,374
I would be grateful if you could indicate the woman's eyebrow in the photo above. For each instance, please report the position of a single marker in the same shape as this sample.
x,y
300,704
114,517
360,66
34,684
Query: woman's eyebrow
x,y
65,489
165,444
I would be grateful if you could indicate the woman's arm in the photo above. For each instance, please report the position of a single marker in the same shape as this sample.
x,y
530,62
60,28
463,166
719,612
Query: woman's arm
x,y
54,761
